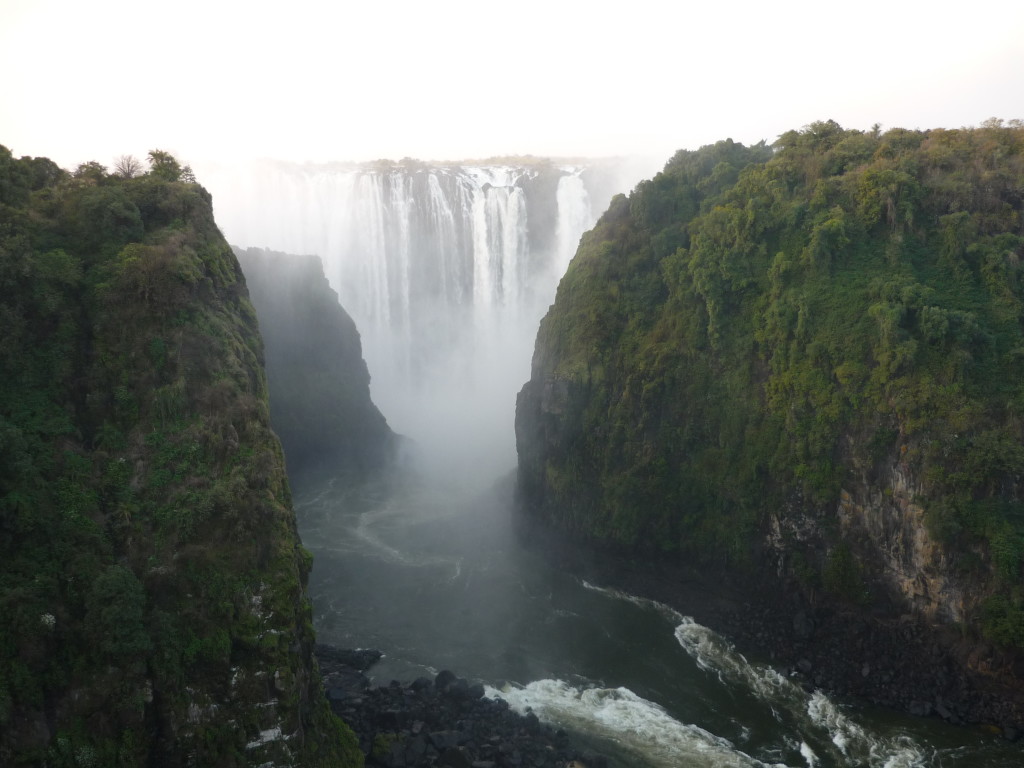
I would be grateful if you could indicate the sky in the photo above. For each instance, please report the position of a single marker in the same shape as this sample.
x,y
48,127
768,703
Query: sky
x,y
448,79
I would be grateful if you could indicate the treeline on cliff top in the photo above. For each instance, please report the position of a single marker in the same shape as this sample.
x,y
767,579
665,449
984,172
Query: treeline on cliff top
x,y
151,580
757,326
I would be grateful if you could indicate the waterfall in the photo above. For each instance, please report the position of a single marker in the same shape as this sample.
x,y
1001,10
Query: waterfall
x,y
574,216
446,270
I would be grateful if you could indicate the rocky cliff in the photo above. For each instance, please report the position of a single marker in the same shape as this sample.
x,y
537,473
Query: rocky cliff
x,y
803,362
152,581
320,402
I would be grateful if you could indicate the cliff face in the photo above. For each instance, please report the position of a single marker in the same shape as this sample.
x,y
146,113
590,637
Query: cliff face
x,y
151,576
424,255
804,361
320,403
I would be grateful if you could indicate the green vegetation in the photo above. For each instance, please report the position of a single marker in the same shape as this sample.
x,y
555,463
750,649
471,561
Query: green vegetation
x,y
151,577
757,328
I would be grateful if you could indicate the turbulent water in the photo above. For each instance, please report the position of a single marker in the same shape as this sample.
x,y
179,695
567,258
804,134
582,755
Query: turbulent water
x,y
437,583
445,269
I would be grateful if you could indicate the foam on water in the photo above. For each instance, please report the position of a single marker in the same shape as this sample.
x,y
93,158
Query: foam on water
x,y
618,714
812,715
667,612
808,754
856,744
366,533
859,746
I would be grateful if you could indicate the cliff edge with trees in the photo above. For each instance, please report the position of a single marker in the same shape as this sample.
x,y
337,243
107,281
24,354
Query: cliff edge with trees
x,y
803,365
152,582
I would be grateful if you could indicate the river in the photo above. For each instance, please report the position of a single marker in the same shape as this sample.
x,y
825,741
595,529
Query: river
x,y
436,578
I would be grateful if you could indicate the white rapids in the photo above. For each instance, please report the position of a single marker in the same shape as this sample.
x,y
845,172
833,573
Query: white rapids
x,y
648,730
619,715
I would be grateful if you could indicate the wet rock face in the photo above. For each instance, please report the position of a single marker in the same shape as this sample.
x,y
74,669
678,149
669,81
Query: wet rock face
x,y
913,567
319,384
447,721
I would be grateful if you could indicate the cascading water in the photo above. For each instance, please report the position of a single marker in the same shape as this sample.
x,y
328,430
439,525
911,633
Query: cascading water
x,y
574,217
445,269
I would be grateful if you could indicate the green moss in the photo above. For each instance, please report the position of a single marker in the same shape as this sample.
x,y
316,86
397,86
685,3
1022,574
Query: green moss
x,y
771,324
146,534
382,744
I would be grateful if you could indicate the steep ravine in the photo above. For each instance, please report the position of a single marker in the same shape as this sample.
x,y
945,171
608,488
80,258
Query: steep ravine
x,y
796,370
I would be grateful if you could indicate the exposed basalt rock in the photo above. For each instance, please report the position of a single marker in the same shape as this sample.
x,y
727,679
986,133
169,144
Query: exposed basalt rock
x,y
888,518
446,721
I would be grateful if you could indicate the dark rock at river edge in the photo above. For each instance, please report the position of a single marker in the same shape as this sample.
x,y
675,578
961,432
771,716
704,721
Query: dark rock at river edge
x,y
447,721
898,662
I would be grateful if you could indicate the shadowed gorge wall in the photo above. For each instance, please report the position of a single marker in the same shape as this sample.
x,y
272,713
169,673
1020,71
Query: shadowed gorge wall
x,y
320,403
806,356
152,582
445,268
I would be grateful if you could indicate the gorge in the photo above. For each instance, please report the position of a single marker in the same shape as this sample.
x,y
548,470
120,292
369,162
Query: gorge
x,y
431,559
763,372
445,268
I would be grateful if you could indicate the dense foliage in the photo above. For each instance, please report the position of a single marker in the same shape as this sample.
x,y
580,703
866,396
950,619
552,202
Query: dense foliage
x,y
151,579
758,328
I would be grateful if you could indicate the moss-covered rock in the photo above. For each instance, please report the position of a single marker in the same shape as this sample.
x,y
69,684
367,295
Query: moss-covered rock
x,y
806,357
152,581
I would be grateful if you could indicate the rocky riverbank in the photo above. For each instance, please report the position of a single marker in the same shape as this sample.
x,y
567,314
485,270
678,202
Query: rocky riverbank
x,y
889,660
447,721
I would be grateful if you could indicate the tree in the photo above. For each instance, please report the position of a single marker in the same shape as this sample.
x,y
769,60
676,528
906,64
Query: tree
x,y
91,171
163,165
127,166
14,185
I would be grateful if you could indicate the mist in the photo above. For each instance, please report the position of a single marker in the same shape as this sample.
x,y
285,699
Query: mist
x,y
446,270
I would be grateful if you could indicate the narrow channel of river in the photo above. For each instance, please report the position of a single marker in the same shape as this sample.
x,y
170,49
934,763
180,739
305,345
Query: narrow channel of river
x,y
435,580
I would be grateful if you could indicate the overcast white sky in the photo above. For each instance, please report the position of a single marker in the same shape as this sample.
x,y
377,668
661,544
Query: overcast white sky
x,y
451,79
